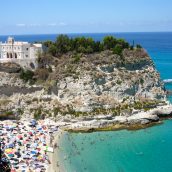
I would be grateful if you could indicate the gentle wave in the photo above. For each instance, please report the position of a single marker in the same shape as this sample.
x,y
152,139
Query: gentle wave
x,y
167,80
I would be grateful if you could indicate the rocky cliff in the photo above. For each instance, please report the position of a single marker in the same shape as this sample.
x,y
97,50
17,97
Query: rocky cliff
x,y
92,84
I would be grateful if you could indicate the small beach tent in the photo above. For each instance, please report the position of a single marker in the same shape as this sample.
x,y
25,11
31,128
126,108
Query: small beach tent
x,y
48,149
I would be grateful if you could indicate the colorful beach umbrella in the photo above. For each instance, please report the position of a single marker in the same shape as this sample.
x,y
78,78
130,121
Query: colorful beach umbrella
x,y
20,136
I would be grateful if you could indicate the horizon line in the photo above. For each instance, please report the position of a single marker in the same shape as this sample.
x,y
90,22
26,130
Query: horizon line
x,y
73,33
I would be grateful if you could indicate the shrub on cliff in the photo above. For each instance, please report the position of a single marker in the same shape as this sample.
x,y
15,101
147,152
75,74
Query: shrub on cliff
x,y
123,43
76,58
26,75
42,74
47,43
38,114
45,60
109,42
138,46
117,49
52,50
63,44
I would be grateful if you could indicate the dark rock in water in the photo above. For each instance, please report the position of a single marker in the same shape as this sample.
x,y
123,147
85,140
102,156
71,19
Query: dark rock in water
x,y
169,92
10,67
165,115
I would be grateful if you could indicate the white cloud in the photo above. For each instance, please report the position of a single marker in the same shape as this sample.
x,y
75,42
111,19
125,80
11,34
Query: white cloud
x,y
62,24
21,25
59,24
52,24
27,25
34,25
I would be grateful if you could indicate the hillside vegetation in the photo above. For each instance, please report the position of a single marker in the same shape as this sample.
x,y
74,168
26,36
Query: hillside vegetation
x,y
62,57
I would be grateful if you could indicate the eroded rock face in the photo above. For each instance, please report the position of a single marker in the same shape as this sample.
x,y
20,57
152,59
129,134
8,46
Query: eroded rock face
x,y
108,88
95,85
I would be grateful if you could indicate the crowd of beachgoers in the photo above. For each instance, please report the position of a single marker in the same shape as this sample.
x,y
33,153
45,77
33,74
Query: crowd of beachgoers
x,y
26,144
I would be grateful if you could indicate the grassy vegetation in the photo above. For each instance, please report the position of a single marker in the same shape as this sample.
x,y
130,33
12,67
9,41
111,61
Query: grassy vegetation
x,y
115,111
118,109
38,114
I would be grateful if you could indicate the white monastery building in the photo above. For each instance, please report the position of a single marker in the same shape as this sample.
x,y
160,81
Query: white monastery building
x,y
22,53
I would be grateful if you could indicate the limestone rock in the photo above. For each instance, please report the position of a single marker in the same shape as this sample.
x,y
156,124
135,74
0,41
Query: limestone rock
x,y
9,67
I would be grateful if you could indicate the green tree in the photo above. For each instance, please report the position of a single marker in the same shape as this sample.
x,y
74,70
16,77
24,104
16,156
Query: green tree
x,y
80,44
97,46
26,75
52,50
109,42
89,50
117,49
90,42
63,44
83,45
138,46
47,43
123,43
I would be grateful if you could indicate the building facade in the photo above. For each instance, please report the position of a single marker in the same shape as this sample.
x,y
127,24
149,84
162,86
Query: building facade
x,y
22,53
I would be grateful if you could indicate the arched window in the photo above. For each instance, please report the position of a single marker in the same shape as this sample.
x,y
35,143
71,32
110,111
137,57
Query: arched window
x,y
11,56
15,55
7,55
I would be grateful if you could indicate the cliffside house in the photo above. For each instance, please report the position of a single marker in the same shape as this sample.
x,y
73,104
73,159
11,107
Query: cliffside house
x,y
22,53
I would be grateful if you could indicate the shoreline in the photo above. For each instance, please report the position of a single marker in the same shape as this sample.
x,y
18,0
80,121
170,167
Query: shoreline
x,y
136,121
117,127
54,157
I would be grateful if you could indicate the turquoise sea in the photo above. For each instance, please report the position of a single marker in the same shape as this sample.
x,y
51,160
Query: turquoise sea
x,y
147,150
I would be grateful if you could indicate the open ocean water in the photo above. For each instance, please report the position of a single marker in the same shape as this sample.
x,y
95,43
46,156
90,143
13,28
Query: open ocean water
x,y
147,150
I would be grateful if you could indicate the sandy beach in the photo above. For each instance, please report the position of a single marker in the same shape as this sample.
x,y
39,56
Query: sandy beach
x,y
53,157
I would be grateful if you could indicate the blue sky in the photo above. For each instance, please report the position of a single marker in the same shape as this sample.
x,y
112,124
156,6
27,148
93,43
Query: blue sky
x,y
81,16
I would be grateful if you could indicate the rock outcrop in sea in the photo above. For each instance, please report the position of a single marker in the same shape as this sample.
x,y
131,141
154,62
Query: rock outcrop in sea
x,y
87,87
